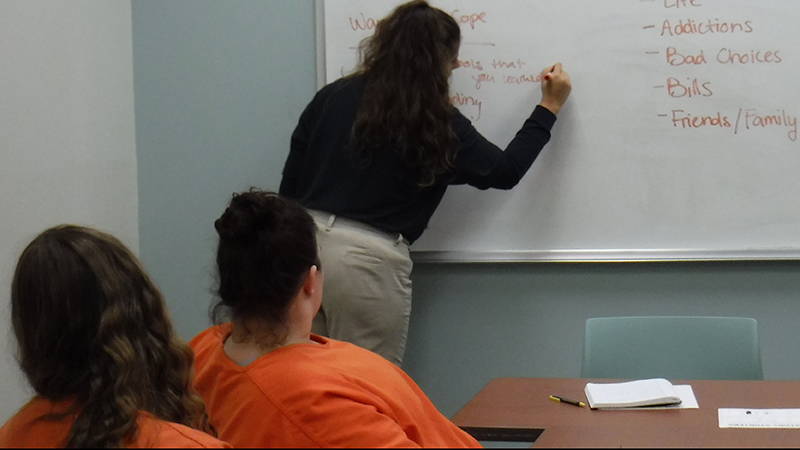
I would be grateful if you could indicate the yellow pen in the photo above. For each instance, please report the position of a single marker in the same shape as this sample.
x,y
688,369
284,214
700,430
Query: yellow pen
x,y
556,398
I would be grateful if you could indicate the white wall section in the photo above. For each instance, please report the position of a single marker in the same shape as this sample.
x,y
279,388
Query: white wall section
x,y
67,136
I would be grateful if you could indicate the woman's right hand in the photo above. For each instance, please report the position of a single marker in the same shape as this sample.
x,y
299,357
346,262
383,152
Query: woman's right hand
x,y
556,87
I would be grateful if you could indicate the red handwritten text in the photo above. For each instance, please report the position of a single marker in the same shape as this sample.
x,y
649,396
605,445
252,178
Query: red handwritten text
x,y
676,59
483,78
471,18
471,64
712,26
511,79
366,23
466,100
681,3
752,119
680,119
676,89
500,64
728,56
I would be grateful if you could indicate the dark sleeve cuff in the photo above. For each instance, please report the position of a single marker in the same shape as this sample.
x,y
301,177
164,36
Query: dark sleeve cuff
x,y
544,116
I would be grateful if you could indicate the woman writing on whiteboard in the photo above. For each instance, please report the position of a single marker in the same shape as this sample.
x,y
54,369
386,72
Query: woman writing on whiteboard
x,y
372,156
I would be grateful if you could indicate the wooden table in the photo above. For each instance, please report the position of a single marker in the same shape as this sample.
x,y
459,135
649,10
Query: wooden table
x,y
520,409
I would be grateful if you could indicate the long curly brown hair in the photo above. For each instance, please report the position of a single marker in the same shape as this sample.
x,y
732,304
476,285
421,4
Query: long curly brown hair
x,y
91,327
406,64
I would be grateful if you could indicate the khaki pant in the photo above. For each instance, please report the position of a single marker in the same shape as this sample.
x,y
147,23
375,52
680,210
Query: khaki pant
x,y
366,297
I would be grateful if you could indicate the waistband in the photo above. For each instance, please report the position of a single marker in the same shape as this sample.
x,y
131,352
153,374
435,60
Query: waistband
x,y
329,220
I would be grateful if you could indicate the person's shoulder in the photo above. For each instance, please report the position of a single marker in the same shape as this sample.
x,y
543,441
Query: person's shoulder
x,y
355,81
36,407
28,429
459,122
335,349
310,367
346,347
347,361
302,366
351,86
210,337
155,433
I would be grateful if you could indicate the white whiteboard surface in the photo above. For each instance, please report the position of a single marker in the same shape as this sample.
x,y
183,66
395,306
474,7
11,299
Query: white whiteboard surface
x,y
670,147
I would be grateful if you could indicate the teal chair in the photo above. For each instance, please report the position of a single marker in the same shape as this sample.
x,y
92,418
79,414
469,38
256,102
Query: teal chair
x,y
688,348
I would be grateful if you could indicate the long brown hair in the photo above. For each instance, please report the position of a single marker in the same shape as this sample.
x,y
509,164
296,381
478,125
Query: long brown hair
x,y
407,63
91,327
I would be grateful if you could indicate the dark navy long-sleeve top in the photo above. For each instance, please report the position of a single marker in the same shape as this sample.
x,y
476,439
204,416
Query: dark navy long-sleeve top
x,y
323,173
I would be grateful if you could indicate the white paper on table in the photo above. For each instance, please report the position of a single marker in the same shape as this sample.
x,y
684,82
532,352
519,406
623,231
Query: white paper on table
x,y
759,418
684,391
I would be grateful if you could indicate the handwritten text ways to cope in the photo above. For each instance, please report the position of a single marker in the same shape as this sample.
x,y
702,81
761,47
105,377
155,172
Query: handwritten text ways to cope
x,y
476,72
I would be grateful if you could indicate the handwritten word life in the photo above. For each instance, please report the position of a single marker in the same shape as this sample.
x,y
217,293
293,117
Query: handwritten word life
x,y
681,3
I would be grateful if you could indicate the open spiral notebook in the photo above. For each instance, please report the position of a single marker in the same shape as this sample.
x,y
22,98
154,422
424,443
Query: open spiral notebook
x,y
653,393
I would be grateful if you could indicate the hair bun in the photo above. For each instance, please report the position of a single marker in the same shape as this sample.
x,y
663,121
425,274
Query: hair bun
x,y
235,226
245,218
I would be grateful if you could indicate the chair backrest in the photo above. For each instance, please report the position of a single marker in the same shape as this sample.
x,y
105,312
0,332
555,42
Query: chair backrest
x,y
689,348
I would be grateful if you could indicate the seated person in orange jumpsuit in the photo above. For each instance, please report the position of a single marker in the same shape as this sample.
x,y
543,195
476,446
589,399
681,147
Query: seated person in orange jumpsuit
x,y
97,346
269,382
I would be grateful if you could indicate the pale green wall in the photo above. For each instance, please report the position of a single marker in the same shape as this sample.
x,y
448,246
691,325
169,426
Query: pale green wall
x,y
218,89
219,86
473,322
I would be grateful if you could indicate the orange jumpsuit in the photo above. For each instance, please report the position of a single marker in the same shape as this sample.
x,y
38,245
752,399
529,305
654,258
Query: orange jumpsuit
x,y
323,394
28,429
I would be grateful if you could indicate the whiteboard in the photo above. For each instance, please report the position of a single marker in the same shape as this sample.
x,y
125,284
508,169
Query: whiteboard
x,y
679,141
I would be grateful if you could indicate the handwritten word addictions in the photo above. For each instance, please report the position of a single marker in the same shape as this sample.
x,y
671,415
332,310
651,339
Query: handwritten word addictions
x,y
712,26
